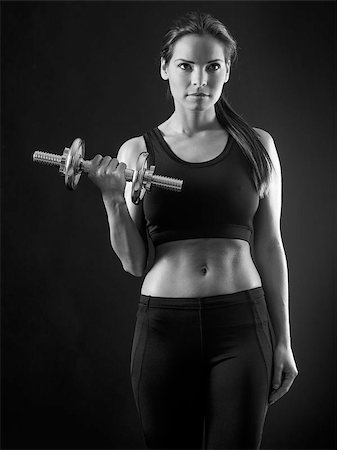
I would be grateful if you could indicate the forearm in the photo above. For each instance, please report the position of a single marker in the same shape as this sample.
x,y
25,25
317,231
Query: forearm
x,y
126,240
272,266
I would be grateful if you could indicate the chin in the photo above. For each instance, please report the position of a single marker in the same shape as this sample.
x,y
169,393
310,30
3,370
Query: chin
x,y
199,107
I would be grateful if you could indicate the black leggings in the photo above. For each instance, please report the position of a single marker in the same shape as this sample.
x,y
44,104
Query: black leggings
x,y
201,370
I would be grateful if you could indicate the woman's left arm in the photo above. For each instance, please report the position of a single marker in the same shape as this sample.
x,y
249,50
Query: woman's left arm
x,y
271,263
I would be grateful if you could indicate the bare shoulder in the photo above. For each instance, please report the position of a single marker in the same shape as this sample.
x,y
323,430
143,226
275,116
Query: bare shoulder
x,y
265,137
269,144
130,150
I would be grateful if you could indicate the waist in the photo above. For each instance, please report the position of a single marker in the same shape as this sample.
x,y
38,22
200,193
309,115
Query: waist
x,y
201,267
209,302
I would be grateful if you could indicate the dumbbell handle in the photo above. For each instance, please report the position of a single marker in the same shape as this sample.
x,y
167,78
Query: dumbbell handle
x,y
169,183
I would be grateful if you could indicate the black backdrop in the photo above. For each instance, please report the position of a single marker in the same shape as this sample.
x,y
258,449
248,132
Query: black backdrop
x,y
90,69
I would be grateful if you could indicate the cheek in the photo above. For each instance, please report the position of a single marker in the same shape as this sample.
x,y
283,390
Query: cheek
x,y
179,82
218,87
219,79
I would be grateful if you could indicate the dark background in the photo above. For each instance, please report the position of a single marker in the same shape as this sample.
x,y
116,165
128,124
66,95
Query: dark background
x,y
91,70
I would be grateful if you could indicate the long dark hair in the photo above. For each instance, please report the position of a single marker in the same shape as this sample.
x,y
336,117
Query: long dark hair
x,y
196,22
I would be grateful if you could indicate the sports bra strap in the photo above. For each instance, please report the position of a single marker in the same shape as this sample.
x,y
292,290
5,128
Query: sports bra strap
x,y
148,137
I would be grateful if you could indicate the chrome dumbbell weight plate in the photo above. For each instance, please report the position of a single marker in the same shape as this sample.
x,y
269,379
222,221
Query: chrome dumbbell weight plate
x,y
71,163
142,178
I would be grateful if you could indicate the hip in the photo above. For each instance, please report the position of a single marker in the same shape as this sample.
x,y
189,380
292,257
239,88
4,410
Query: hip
x,y
206,329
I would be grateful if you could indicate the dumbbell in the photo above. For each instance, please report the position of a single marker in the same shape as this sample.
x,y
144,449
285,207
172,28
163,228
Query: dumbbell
x,y
71,164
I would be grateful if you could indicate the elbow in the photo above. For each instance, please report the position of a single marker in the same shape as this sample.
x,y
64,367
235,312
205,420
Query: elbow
x,y
135,273
135,264
135,270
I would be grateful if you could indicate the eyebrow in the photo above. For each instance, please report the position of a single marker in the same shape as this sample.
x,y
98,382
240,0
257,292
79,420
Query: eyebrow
x,y
192,62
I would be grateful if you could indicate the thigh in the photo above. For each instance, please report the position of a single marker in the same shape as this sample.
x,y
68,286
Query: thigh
x,y
238,383
236,402
166,378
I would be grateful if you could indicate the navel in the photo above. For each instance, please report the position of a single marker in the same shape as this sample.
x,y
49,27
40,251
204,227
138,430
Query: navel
x,y
204,270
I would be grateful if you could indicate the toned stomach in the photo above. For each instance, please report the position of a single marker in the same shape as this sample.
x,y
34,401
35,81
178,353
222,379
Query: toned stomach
x,y
201,268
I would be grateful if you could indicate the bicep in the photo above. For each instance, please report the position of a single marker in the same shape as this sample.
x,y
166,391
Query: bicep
x,y
267,227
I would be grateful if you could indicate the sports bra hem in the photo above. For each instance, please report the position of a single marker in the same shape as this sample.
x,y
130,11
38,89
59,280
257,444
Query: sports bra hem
x,y
241,232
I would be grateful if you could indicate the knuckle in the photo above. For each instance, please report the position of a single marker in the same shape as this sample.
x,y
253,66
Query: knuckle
x,y
95,162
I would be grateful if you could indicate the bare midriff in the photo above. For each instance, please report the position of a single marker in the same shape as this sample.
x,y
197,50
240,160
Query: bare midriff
x,y
201,268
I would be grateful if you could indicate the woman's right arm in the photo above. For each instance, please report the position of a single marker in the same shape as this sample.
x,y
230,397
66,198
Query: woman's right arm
x,y
126,220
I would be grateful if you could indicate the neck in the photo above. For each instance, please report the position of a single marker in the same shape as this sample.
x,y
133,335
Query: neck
x,y
189,123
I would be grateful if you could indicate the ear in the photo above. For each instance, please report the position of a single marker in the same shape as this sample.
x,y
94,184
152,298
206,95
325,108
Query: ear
x,y
163,69
228,70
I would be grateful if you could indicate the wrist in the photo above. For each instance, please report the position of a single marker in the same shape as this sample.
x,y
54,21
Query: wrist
x,y
285,343
115,199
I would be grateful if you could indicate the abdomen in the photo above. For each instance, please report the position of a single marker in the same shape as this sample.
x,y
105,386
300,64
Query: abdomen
x,y
201,268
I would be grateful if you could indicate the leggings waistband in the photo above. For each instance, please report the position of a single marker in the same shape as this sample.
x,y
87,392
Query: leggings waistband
x,y
254,294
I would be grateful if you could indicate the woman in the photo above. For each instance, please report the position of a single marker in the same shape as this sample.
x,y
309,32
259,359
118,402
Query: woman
x,y
211,349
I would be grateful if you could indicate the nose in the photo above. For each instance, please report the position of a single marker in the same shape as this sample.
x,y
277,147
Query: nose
x,y
199,78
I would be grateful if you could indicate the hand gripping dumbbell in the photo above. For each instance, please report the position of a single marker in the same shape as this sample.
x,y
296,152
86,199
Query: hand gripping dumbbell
x,y
71,165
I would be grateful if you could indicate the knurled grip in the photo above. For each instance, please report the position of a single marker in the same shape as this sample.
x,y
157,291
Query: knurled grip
x,y
172,184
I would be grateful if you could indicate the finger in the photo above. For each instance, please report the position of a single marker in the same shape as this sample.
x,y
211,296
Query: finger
x,y
95,162
283,389
121,167
105,163
277,377
113,164
278,394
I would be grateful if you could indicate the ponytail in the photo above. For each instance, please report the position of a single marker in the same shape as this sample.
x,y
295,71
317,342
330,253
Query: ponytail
x,y
249,143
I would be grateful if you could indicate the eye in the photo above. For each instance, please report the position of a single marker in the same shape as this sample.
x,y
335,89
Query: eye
x,y
214,67
184,66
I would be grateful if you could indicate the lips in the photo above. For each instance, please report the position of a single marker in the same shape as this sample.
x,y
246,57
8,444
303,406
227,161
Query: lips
x,y
199,95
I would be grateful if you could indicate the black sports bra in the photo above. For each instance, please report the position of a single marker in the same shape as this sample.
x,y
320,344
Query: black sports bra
x,y
218,198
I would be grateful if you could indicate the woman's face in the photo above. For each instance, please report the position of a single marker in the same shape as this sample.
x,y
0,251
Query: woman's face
x,y
197,67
